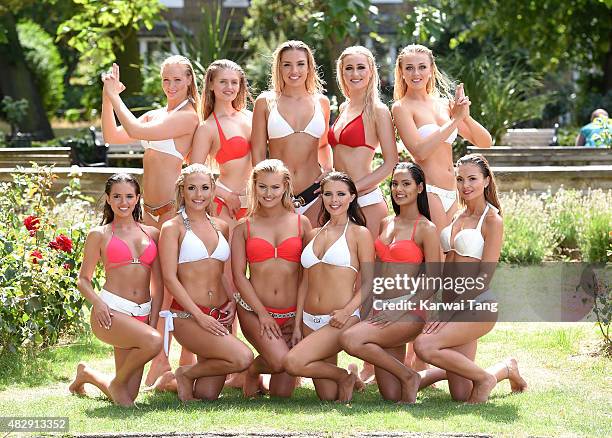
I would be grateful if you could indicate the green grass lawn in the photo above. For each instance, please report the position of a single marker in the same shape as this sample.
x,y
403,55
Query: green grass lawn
x,y
569,394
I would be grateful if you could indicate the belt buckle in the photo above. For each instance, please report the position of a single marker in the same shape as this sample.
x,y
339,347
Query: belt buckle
x,y
212,310
135,261
300,200
317,320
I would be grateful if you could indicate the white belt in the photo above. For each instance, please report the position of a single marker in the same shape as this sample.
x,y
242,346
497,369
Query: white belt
x,y
168,327
124,305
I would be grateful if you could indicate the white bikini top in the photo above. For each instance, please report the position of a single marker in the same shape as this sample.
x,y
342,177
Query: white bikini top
x,y
165,146
468,242
338,254
430,128
193,249
278,127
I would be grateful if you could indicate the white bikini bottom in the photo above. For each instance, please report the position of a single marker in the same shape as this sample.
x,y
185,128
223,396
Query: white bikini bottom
x,y
447,197
124,305
374,197
315,322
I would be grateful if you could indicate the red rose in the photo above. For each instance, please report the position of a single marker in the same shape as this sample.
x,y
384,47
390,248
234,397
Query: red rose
x,y
62,243
32,223
36,254
67,266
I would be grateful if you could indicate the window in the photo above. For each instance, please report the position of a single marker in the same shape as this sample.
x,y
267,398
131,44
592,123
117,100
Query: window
x,y
173,3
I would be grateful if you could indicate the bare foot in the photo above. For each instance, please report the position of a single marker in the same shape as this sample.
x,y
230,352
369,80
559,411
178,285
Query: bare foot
x,y
517,383
482,389
77,386
165,383
345,388
184,385
159,366
236,380
410,386
367,373
359,385
120,394
252,385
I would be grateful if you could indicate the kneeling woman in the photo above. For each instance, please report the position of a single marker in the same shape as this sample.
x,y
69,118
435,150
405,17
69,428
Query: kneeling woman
x,y
406,240
124,315
193,249
473,244
335,255
271,241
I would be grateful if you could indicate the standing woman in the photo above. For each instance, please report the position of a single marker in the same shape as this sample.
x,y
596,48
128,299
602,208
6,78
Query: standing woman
x,y
125,313
336,254
428,119
270,241
292,121
166,136
407,239
193,250
472,243
364,123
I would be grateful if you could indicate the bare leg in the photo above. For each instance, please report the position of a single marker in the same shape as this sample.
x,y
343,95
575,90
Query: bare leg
x,y
86,374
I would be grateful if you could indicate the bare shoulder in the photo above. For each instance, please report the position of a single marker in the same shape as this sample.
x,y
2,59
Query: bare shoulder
x,y
381,108
493,220
221,225
172,225
402,106
305,222
308,236
427,227
151,231
360,232
322,98
97,233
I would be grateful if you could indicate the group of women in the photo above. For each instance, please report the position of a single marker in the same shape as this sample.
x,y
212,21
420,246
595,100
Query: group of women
x,y
289,243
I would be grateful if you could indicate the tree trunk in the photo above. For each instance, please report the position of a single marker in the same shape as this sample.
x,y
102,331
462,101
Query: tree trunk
x,y
607,67
129,61
18,82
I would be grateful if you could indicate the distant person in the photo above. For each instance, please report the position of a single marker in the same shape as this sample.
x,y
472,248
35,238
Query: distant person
x,y
589,133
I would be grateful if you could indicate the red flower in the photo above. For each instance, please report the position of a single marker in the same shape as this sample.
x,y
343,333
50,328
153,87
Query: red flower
x,y
36,254
32,223
62,243
67,266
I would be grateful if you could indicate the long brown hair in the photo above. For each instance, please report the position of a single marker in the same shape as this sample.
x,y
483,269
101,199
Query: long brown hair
x,y
438,85
490,191
208,95
192,88
314,84
355,214
107,214
372,96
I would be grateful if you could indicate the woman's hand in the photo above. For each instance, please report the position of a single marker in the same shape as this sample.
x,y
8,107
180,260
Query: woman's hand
x,y
211,325
232,201
296,336
439,321
386,317
228,313
339,318
460,108
102,314
269,327
112,84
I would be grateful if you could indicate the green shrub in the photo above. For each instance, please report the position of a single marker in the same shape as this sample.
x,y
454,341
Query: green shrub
x,y
45,62
41,247
528,238
594,234
566,214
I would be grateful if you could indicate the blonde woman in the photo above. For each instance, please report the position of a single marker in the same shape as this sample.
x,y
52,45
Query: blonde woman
x,y
193,250
166,136
363,125
270,241
428,120
291,121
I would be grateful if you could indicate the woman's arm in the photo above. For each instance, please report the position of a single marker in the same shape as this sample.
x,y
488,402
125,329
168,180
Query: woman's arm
x,y
469,128
259,131
168,250
324,153
386,136
174,125
157,283
91,255
201,144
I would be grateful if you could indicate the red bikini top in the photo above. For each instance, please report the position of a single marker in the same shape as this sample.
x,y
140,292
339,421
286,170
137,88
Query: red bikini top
x,y
231,149
402,251
119,254
352,135
259,250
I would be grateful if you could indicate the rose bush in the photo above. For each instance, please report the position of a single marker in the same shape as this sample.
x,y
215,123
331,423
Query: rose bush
x,y
41,246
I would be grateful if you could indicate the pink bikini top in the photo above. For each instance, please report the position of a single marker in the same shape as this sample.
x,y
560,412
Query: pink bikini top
x,y
119,254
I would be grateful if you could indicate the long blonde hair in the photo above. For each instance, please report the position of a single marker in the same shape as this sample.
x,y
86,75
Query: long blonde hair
x,y
192,88
269,166
314,84
438,85
490,191
208,95
179,186
372,97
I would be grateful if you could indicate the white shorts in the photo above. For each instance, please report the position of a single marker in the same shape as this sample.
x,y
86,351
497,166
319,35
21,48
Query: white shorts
x,y
124,305
374,197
